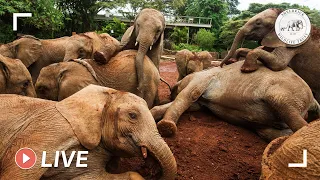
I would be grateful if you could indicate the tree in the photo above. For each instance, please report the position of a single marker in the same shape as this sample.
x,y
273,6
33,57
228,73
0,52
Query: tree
x,y
205,39
116,28
45,21
233,7
179,35
80,13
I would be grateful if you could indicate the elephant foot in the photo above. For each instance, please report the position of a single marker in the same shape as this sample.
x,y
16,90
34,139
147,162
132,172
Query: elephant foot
x,y
167,128
249,67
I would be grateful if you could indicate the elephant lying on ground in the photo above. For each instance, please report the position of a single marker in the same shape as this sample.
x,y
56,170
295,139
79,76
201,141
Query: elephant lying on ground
x,y
284,150
189,62
266,101
103,121
61,80
276,55
15,78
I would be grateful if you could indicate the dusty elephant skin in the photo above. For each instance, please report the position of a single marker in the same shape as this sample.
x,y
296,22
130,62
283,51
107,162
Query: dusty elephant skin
x,y
15,78
146,36
276,55
61,80
282,151
104,121
37,53
265,100
187,63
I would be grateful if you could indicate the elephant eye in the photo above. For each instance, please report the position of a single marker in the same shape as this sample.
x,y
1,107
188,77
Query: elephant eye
x,y
258,22
132,115
26,84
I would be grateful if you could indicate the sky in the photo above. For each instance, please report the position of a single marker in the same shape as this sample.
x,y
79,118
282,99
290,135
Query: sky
x,y
244,4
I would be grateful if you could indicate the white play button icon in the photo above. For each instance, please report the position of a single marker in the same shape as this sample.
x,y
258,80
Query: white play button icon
x,y
25,158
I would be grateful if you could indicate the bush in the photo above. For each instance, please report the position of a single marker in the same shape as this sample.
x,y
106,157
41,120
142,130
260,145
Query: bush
x,y
116,28
190,47
205,39
179,35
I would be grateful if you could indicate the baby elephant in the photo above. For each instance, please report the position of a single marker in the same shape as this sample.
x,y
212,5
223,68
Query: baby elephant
x,y
15,78
266,101
103,121
189,62
285,150
58,81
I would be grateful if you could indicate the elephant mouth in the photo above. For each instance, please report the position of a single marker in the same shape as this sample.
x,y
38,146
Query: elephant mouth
x,y
152,168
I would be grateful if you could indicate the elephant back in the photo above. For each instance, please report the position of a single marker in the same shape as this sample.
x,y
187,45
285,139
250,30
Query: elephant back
x,y
284,150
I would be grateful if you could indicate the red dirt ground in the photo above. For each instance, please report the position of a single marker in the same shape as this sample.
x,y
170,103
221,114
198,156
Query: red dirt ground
x,y
205,147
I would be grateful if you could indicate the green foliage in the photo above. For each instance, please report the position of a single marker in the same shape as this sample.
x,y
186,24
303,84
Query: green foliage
x,y
205,39
115,28
190,47
179,35
45,21
79,14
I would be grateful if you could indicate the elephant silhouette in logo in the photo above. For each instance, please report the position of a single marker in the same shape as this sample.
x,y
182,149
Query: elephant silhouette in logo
x,y
293,25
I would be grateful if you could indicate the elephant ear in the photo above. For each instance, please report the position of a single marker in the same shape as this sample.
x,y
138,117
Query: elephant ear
x,y
126,38
272,40
83,110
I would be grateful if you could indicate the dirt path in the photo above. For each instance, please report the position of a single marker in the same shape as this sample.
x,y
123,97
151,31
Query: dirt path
x,y
205,147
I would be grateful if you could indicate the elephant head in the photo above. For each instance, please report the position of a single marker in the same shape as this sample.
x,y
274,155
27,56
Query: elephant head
x,y
259,28
87,44
27,49
60,80
15,78
187,62
118,121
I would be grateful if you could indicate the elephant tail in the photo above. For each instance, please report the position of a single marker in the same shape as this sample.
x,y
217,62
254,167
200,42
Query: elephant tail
x,y
166,83
314,111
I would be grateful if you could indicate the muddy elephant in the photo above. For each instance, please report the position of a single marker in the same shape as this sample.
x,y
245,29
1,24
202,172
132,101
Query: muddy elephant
x,y
290,149
103,121
146,36
15,78
272,103
275,54
109,40
206,58
61,80
187,62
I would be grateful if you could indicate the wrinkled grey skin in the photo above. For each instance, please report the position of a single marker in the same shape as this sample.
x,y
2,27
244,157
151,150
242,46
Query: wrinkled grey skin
x,y
15,78
59,81
276,55
187,63
146,36
266,101
103,121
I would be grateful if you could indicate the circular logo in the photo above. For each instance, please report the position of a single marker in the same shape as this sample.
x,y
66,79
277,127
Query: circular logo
x,y
293,27
25,158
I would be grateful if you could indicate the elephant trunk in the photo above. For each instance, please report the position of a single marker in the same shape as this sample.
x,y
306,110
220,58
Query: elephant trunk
x,y
31,92
142,51
162,153
239,37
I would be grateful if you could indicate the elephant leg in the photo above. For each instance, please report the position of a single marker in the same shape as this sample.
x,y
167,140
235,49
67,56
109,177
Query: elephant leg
x,y
189,95
269,134
102,175
287,108
241,52
277,60
158,111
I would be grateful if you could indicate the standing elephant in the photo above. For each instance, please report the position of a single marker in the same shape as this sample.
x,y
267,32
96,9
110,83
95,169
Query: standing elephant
x,y
266,101
275,54
284,150
15,78
103,121
187,62
61,80
146,36
206,59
